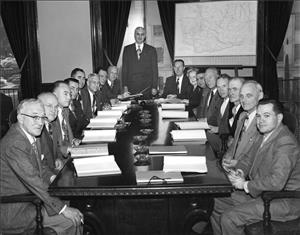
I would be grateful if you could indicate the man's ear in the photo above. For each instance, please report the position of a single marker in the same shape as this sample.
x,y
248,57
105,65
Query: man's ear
x,y
261,95
280,117
20,118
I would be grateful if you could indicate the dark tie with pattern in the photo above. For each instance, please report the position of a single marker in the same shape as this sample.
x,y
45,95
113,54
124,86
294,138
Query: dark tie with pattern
x,y
211,97
139,51
50,129
177,85
64,125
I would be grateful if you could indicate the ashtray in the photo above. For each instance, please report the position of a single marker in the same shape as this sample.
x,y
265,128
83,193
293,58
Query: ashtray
x,y
146,131
144,111
139,138
145,120
140,149
145,115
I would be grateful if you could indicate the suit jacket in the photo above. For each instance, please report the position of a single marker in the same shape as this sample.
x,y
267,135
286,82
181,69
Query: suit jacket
x,y
77,120
213,110
59,145
201,108
6,108
275,167
112,92
235,120
86,102
22,172
138,74
244,145
194,100
171,87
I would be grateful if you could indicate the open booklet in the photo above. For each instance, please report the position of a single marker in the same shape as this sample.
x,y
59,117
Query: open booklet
x,y
101,165
93,136
185,163
89,150
103,122
158,177
192,125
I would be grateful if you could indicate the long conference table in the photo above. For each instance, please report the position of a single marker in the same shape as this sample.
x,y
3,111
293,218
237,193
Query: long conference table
x,y
115,204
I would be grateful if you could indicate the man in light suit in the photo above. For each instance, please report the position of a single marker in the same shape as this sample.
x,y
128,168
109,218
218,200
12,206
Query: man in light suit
x,y
272,165
22,172
178,85
246,132
139,66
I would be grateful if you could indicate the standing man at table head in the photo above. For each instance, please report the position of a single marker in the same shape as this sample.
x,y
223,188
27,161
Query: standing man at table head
x,y
139,66
178,85
22,172
274,166
246,131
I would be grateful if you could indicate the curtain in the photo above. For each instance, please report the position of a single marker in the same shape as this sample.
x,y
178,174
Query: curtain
x,y
20,22
276,19
114,17
167,16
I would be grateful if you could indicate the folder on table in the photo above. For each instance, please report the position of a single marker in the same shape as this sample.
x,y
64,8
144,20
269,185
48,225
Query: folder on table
x,y
189,135
185,163
173,106
93,136
110,113
163,150
103,123
192,125
101,165
174,114
158,177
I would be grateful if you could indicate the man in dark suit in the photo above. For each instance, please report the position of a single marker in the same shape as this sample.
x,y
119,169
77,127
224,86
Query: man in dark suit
x,y
201,108
213,100
234,88
77,119
195,94
6,108
112,87
218,134
178,85
79,75
139,66
92,98
273,164
22,172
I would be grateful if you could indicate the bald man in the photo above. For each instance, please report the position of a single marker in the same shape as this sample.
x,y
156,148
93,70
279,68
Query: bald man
x,y
22,172
139,66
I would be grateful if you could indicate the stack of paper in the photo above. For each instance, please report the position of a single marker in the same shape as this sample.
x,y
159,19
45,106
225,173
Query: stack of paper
x,y
158,177
93,136
162,150
103,165
89,150
173,106
121,106
197,136
185,164
103,123
109,113
192,125
174,114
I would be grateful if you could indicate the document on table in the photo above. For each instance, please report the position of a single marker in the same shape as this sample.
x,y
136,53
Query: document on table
x,y
162,150
174,114
158,177
103,123
188,135
185,163
173,106
90,166
110,113
92,136
89,150
192,125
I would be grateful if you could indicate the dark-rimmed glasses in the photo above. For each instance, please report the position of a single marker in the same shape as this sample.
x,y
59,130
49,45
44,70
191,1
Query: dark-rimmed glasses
x,y
36,117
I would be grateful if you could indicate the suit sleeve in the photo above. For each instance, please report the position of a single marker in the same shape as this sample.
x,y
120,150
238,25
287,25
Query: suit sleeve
x,y
154,69
125,67
284,157
20,163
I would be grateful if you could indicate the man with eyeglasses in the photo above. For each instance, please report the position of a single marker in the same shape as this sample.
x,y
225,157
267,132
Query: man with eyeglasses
x,y
22,172
50,148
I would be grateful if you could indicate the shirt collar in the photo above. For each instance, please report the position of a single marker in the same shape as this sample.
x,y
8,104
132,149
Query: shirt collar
x,y
141,46
109,82
31,138
251,116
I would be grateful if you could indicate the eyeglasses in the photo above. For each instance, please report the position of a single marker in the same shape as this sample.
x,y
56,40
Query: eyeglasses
x,y
35,117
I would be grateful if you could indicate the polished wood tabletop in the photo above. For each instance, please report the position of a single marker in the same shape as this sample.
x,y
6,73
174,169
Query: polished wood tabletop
x,y
213,182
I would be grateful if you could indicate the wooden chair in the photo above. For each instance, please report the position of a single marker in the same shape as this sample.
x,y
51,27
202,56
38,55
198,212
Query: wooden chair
x,y
269,227
39,230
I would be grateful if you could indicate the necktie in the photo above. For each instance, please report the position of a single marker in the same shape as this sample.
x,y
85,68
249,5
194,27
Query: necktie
x,y
37,156
72,108
94,108
211,96
139,51
64,126
50,129
244,127
177,85
34,148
